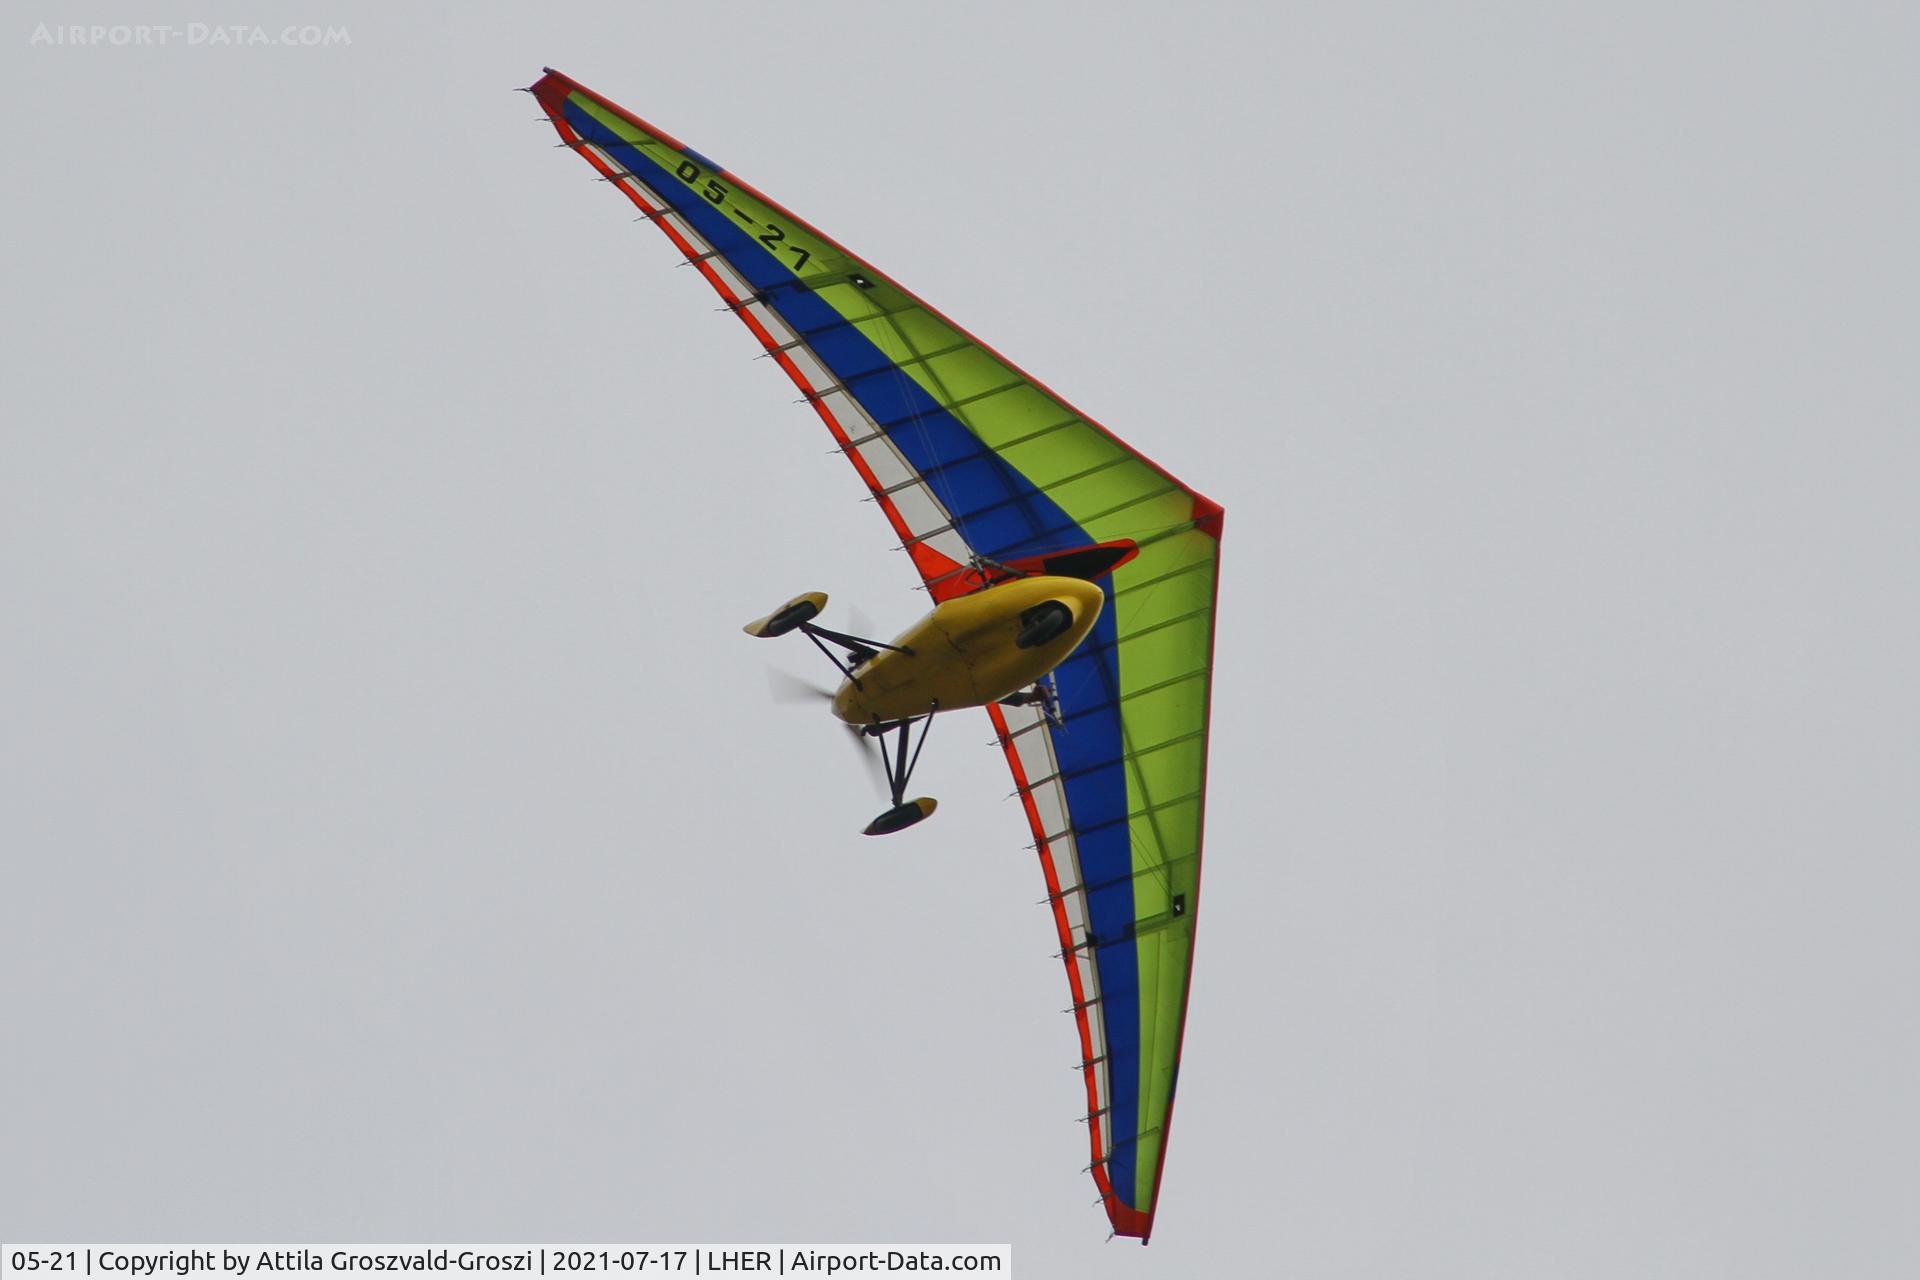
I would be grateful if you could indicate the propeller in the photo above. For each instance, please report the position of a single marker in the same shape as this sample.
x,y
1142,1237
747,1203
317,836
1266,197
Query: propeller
x,y
869,751
786,687
861,624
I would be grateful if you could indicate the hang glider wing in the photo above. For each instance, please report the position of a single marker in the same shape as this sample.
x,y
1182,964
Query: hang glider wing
x,y
975,464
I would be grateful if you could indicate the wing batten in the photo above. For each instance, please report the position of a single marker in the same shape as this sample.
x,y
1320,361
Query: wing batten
x,y
1069,913
745,295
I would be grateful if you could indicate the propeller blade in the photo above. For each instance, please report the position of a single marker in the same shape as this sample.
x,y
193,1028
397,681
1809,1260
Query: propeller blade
x,y
869,749
784,686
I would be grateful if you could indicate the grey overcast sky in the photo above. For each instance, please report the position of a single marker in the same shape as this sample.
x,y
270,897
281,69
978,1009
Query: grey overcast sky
x,y
399,841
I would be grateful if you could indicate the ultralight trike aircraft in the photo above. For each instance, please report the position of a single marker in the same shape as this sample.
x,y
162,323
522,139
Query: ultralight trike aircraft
x,y
992,646
1073,579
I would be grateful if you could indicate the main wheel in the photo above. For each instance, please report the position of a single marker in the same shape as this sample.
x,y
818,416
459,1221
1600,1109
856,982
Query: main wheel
x,y
788,616
1046,621
901,816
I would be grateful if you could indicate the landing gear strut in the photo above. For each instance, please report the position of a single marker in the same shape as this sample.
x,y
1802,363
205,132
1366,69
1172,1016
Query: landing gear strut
x,y
899,767
798,614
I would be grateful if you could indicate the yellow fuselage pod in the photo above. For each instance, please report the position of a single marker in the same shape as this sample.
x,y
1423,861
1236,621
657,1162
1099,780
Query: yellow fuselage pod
x,y
967,652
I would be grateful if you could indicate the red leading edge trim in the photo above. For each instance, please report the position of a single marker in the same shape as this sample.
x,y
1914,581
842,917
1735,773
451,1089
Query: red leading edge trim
x,y
943,578
1074,986
552,91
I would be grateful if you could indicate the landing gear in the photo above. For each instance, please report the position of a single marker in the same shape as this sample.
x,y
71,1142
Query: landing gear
x,y
900,817
850,654
899,767
1044,622
798,614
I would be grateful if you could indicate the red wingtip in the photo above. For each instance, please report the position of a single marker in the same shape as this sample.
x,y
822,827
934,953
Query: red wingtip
x,y
1128,1221
551,90
1208,516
